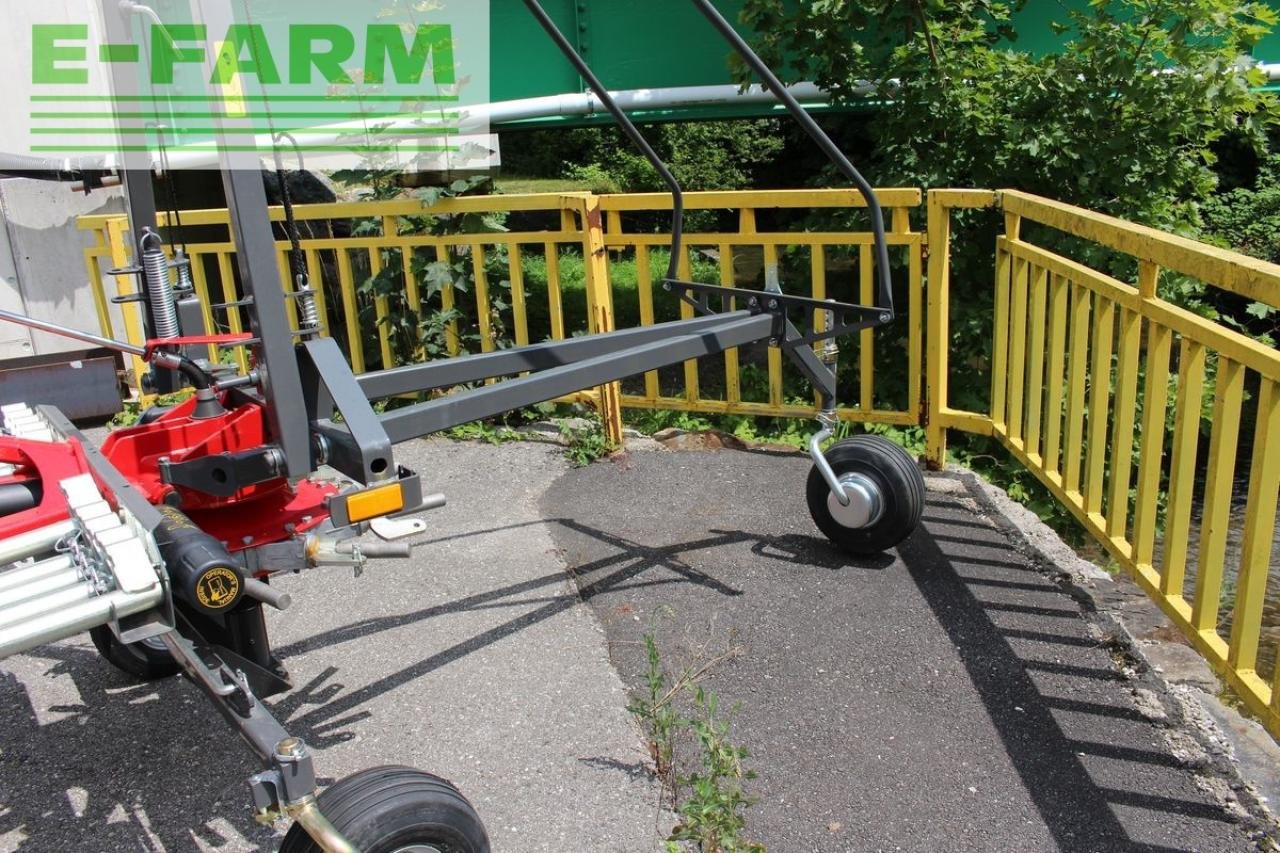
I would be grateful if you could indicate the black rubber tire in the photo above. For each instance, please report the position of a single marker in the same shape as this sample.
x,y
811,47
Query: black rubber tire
x,y
148,660
901,484
389,808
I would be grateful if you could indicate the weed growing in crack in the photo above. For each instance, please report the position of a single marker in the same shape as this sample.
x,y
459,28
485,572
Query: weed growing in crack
x,y
710,800
585,444
713,814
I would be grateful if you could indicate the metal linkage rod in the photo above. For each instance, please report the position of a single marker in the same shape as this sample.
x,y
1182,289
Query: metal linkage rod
x,y
628,127
447,373
73,334
828,146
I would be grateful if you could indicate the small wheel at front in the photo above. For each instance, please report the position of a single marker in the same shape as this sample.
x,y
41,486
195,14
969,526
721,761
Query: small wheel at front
x,y
888,489
396,810
148,660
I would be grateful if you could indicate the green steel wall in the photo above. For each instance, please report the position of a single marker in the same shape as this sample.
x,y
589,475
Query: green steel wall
x,y
638,44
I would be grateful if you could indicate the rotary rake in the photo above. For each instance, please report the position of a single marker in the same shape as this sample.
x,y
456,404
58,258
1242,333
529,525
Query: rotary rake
x,y
162,542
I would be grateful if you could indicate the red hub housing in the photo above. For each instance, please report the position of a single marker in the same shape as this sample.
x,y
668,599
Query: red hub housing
x,y
256,515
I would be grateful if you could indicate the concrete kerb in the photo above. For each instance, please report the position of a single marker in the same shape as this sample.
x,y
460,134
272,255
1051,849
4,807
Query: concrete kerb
x,y
1235,759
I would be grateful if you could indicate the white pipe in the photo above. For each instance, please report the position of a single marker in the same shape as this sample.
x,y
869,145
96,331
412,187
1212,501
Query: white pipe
x,y
634,100
477,120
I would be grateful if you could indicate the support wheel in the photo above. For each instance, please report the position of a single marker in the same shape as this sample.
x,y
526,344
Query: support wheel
x,y
148,660
887,489
396,810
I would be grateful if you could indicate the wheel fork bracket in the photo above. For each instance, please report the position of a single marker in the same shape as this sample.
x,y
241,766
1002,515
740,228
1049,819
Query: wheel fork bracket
x,y
287,785
857,493
827,422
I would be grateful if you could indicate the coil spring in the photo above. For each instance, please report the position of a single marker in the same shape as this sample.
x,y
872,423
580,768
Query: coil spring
x,y
183,265
828,351
155,267
307,304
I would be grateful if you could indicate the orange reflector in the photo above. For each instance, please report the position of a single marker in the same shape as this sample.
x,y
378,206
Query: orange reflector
x,y
375,503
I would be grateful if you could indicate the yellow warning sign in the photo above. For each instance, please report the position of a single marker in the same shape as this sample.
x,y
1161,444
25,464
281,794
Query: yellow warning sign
x,y
218,588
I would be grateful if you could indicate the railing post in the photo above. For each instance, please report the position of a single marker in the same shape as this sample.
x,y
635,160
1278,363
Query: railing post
x,y
120,258
938,337
600,308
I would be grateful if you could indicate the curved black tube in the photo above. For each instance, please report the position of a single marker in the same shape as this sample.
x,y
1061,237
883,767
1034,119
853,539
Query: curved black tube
x,y
200,380
628,127
833,152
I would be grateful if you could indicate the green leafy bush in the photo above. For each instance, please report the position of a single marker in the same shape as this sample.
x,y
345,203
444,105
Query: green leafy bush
x,y
1125,119
704,156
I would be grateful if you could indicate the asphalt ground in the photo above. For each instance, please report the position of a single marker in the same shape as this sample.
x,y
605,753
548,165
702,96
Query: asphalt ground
x,y
475,660
945,697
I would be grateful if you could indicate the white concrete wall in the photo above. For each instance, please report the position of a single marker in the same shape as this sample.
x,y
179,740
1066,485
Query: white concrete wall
x,y
42,270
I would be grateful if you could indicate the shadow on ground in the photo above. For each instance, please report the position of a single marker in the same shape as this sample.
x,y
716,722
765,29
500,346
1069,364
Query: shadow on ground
x,y
946,697
954,698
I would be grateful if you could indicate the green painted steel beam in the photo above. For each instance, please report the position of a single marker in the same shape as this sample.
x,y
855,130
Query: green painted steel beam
x,y
630,45
666,43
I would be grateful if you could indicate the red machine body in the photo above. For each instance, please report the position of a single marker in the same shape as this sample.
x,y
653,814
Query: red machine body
x,y
256,515
39,462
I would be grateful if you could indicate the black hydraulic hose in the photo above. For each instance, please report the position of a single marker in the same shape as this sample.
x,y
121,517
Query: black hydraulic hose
x,y
628,127
819,136
297,260
200,379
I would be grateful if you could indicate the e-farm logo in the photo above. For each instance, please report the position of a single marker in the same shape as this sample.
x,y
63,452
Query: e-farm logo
x,y
244,86
60,54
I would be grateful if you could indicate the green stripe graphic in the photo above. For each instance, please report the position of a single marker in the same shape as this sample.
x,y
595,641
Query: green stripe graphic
x,y
243,131
224,99
279,116
335,149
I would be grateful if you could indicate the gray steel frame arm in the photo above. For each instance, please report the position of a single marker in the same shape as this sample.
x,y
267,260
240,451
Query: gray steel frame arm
x,y
677,343
360,445
535,357
736,329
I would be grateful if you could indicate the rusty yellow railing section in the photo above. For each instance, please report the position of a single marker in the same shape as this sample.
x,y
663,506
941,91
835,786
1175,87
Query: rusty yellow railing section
x,y
1097,388
832,264
1097,384
485,276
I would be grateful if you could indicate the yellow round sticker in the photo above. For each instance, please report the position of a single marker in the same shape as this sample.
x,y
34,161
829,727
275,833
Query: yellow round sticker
x,y
218,588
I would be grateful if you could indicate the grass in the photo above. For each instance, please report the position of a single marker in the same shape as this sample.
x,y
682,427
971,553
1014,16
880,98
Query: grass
x,y
519,185
586,444
624,279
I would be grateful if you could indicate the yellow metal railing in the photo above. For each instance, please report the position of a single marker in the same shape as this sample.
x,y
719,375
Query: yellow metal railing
x,y
1097,388
1096,383
790,256
346,245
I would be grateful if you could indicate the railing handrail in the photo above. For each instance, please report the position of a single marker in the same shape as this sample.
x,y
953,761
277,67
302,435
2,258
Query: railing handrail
x,y
1221,268
1069,341
366,209
762,199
